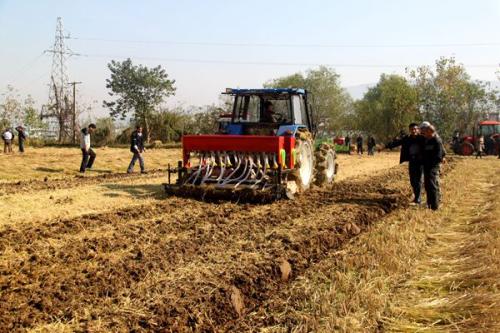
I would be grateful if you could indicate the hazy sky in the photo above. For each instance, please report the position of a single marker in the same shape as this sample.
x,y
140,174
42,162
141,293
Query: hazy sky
x,y
209,45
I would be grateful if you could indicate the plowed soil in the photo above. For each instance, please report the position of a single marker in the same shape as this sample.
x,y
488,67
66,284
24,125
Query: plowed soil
x,y
178,264
69,182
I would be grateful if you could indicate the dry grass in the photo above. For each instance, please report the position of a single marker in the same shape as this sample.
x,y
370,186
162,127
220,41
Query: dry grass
x,y
456,286
414,270
51,162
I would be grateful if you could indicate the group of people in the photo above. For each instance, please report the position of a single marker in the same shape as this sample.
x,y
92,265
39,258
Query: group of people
x,y
136,147
423,149
371,144
8,137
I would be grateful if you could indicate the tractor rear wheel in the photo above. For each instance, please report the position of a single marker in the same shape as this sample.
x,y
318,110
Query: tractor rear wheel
x,y
467,148
325,165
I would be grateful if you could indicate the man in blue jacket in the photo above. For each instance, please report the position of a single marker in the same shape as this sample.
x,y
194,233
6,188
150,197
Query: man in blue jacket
x,y
137,148
411,152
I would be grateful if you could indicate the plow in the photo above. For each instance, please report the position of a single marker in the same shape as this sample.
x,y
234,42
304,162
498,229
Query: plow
x,y
265,152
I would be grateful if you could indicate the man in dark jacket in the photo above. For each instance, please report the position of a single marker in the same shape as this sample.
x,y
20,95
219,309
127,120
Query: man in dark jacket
x,y
432,156
359,144
137,148
371,145
21,135
411,152
348,144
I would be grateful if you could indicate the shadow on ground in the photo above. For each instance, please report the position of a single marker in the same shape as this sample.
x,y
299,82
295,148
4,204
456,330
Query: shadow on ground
x,y
137,191
52,170
99,170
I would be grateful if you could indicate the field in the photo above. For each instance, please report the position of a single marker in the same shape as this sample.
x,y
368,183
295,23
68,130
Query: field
x,y
110,252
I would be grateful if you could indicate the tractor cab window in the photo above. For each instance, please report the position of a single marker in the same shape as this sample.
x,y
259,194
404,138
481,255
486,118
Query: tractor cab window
x,y
488,130
299,110
247,109
263,109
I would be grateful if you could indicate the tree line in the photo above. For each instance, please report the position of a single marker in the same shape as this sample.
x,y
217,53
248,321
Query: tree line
x,y
444,94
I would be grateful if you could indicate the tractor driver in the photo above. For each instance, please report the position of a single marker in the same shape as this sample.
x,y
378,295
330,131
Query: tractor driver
x,y
269,114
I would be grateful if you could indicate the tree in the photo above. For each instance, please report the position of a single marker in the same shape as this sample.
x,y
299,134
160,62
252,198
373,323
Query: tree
x,y
11,108
330,102
105,132
31,115
449,98
139,90
204,119
387,108
169,124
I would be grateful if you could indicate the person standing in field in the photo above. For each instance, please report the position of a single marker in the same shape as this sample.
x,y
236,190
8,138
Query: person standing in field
x,y
348,144
137,148
88,155
411,152
8,137
480,147
21,137
359,144
497,141
371,145
432,156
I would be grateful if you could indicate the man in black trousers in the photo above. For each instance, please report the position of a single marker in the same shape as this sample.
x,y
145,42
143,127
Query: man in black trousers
x,y
21,136
359,144
432,156
88,155
137,148
411,152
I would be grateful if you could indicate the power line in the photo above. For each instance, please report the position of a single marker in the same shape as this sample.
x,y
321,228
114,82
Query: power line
x,y
266,63
280,45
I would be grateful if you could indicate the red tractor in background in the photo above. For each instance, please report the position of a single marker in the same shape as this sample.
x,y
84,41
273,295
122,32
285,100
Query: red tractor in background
x,y
467,145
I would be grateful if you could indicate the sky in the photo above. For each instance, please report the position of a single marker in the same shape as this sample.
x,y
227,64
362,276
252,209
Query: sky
x,y
206,46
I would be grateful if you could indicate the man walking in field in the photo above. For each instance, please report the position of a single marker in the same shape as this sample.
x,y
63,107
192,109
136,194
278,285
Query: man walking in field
x,y
411,152
8,138
88,155
432,156
137,148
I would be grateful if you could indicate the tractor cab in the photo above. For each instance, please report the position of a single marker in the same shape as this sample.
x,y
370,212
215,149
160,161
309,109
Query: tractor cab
x,y
269,112
488,128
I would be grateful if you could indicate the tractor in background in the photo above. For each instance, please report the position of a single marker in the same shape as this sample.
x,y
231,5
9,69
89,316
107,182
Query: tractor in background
x,y
467,144
265,147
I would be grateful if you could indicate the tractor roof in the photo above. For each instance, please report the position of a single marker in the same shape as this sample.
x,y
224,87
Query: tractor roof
x,y
489,122
265,91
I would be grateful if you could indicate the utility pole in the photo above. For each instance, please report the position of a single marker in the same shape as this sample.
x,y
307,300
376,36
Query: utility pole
x,y
73,120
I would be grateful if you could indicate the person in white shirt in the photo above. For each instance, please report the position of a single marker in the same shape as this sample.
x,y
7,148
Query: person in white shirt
x,y
8,137
88,155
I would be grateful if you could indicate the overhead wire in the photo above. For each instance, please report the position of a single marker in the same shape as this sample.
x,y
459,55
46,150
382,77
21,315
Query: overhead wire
x,y
266,63
285,45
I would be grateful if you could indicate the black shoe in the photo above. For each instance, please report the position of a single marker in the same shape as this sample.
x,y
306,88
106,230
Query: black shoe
x,y
144,171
